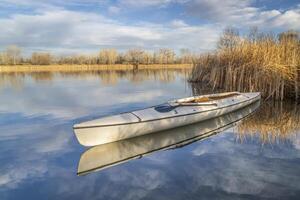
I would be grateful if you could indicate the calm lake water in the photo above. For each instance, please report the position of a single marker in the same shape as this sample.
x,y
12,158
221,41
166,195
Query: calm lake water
x,y
259,158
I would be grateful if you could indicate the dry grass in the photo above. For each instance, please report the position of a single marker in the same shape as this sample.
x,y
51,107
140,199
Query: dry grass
x,y
74,68
268,64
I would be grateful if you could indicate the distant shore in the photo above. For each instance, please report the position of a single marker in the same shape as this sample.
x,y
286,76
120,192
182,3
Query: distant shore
x,y
63,68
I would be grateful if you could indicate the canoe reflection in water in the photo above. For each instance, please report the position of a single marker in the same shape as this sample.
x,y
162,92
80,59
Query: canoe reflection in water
x,y
108,155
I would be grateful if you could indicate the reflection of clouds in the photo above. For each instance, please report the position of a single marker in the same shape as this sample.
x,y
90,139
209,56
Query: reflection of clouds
x,y
282,149
248,168
296,142
158,158
207,148
27,149
34,140
55,143
147,96
39,152
127,182
215,167
69,97
136,183
16,174
151,179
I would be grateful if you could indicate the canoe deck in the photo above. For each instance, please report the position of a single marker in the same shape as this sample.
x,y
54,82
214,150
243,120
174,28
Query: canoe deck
x,y
148,120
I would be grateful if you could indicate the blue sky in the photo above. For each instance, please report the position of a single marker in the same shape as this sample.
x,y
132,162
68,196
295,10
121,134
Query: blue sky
x,y
75,26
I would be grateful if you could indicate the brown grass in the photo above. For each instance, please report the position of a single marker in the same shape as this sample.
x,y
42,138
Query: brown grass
x,y
268,64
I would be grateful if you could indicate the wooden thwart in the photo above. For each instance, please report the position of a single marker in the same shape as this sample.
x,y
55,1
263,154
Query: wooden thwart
x,y
210,98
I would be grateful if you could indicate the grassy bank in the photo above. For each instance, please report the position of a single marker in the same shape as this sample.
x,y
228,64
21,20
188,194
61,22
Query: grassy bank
x,y
71,68
258,62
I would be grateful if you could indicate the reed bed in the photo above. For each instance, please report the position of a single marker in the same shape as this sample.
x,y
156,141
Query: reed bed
x,y
273,122
264,62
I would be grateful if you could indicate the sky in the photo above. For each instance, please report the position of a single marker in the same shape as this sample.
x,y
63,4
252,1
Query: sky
x,y
85,26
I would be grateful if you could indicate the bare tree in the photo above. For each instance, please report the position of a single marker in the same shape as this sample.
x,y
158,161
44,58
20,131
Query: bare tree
x,y
13,53
134,56
166,56
289,36
3,58
186,56
229,39
108,56
12,56
40,58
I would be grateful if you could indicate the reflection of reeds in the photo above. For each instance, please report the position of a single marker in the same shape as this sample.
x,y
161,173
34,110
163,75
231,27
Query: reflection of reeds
x,y
107,77
14,80
42,76
82,68
202,89
272,122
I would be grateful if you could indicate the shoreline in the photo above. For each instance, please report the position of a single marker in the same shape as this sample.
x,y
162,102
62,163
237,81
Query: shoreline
x,y
74,68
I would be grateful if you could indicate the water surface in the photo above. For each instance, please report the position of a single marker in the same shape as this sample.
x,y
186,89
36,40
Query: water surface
x,y
39,155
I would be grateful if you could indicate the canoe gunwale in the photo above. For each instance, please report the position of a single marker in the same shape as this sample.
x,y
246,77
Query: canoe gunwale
x,y
175,116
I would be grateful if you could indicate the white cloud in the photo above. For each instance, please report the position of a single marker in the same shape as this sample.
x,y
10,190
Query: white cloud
x,y
288,19
177,23
215,10
58,28
114,10
53,28
145,3
39,3
243,14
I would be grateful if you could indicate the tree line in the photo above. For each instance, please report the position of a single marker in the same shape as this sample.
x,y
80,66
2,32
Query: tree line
x,y
12,56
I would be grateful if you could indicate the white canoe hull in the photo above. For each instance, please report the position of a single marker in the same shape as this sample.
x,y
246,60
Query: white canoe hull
x,y
145,121
107,155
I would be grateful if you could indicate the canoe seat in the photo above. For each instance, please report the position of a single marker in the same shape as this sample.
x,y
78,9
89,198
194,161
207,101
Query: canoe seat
x,y
212,98
200,100
217,97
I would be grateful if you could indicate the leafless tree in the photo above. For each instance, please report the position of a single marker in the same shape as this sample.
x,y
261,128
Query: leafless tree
x,y
108,56
13,53
40,58
229,39
166,56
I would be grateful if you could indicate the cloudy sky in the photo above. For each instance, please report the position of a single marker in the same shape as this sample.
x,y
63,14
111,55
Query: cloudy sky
x,y
73,26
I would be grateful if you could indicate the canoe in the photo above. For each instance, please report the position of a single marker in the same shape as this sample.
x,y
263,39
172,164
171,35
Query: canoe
x,y
108,155
165,116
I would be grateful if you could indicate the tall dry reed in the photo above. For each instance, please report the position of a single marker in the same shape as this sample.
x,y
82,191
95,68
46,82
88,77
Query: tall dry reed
x,y
264,62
